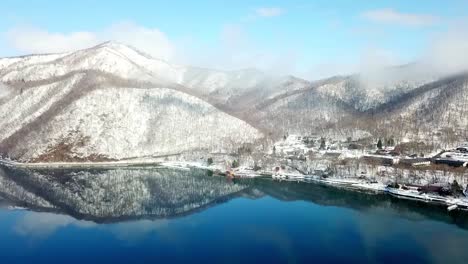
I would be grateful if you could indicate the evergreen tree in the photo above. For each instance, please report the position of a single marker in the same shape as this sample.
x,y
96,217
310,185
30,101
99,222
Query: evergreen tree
x,y
235,164
322,143
209,161
457,190
257,167
379,144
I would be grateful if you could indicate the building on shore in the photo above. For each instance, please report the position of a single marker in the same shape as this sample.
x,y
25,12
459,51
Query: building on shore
x,y
415,162
381,160
451,162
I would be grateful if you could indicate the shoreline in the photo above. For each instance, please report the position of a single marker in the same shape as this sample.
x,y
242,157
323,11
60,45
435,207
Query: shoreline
x,y
72,165
351,183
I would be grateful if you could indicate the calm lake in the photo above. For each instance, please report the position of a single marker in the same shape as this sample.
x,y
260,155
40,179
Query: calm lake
x,y
162,215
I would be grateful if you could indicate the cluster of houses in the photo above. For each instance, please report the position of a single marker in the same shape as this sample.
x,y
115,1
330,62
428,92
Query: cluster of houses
x,y
293,146
393,160
296,147
300,147
457,157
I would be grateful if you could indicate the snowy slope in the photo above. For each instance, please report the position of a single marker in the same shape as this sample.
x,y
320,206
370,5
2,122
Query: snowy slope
x,y
227,88
114,58
26,107
83,106
239,89
434,113
324,104
54,122
421,108
301,113
4,90
363,95
117,93
124,122
19,62
129,63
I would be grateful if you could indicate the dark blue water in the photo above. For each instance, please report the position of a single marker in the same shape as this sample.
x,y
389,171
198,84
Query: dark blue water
x,y
264,222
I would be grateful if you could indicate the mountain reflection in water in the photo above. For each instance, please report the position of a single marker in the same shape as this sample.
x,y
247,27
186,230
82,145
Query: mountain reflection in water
x,y
115,195
192,216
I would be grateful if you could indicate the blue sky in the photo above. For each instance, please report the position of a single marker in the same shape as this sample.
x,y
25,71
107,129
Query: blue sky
x,y
309,38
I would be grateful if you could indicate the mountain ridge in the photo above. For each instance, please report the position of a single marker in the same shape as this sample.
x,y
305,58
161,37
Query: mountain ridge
x,y
269,105
31,129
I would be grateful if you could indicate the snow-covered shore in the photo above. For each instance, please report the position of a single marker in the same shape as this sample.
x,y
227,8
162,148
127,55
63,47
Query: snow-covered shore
x,y
353,181
57,165
356,184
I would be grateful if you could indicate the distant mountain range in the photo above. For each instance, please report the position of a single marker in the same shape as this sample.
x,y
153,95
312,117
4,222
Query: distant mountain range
x,y
112,102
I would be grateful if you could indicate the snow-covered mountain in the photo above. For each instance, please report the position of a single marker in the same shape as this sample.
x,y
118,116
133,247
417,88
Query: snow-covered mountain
x,y
239,90
94,116
129,63
78,105
426,108
112,101
436,113
109,57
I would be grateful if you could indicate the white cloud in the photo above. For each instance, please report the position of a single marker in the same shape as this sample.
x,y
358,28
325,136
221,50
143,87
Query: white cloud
x,y
269,11
374,67
233,35
371,63
137,230
42,225
391,16
150,40
36,40
447,53
375,59
233,50
236,49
